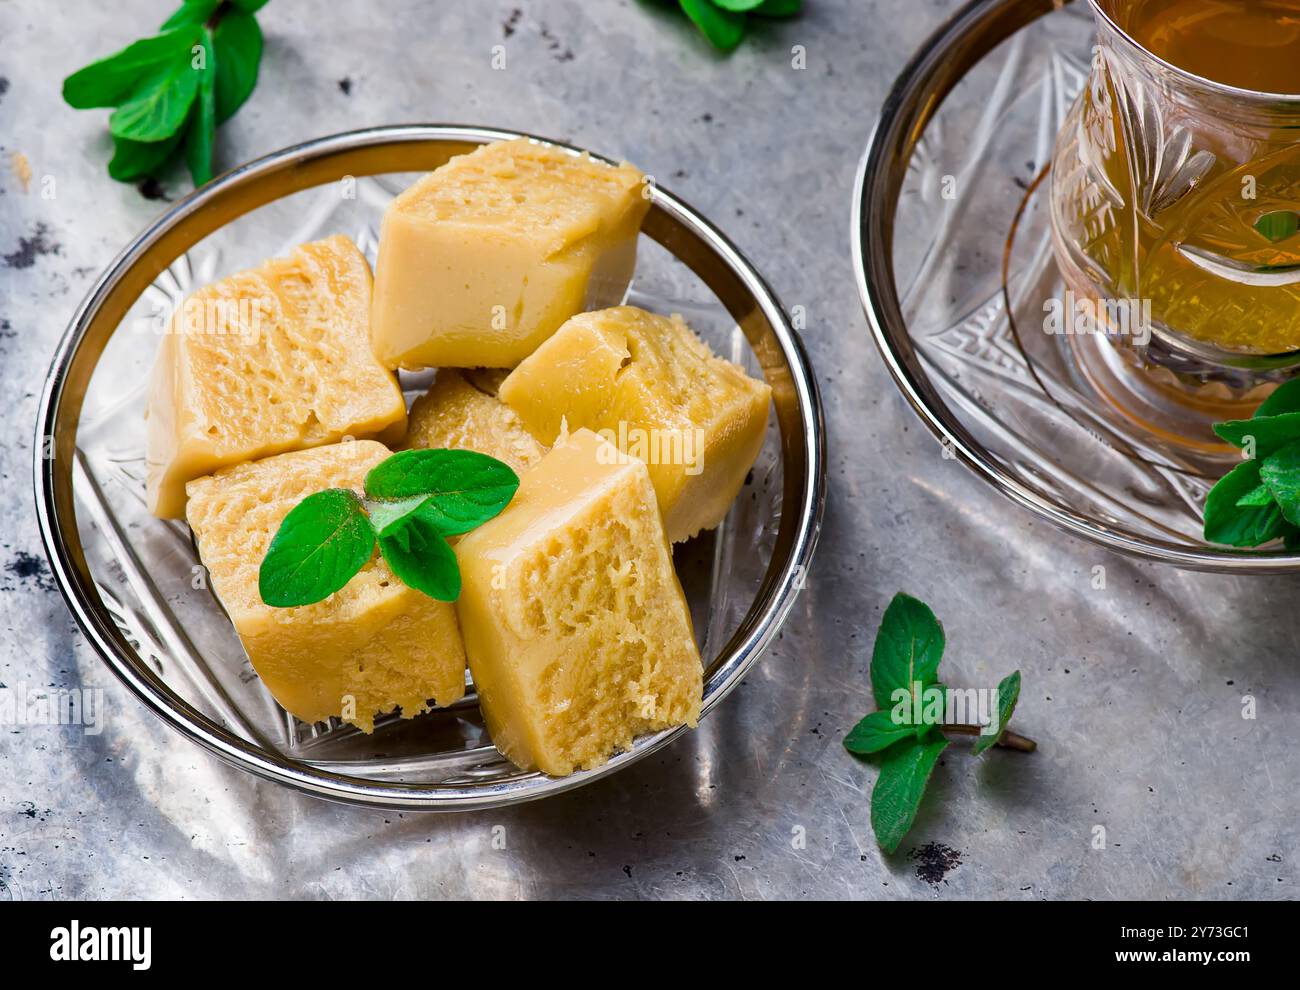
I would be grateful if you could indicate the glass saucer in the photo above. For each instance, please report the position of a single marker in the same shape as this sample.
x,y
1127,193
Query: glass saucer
x,y
952,246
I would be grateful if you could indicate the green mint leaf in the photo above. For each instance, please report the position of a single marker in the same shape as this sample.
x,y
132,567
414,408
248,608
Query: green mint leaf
x,y
1247,526
738,6
161,105
1256,497
238,41
1280,472
134,160
416,552
201,132
192,12
909,645
1265,433
1285,399
112,81
323,541
468,488
1290,536
388,515
876,732
897,795
1008,695
165,93
1279,225
778,8
723,28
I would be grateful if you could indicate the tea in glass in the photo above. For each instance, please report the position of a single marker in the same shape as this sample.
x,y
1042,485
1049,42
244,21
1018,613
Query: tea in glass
x,y
1176,185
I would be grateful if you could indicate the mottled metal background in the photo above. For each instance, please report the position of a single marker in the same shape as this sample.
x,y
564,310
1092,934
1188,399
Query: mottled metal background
x,y
1134,691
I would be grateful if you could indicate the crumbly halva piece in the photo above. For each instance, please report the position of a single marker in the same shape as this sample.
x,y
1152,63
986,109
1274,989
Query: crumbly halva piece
x,y
651,387
482,259
576,629
373,646
272,359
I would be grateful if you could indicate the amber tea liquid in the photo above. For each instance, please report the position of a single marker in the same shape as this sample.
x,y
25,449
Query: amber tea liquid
x,y
1250,44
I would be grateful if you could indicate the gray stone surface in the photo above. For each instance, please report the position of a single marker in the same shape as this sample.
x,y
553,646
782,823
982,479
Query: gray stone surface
x,y
1134,691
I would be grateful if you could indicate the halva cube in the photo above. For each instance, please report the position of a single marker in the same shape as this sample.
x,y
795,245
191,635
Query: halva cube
x,y
272,359
651,387
458,415
576,629
483,259
370,647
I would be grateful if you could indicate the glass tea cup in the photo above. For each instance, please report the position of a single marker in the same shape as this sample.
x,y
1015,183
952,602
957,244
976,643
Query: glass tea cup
x,y
1175,203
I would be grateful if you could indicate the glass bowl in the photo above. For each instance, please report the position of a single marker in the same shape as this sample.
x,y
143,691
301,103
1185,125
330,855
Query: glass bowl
x,y
134,584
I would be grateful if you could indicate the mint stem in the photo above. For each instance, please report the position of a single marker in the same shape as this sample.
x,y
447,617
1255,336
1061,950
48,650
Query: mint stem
x,y
1009,740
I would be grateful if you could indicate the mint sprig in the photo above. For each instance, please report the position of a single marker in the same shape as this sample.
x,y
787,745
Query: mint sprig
x,y
169,92
724,22
1258,501
414,500
904,679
